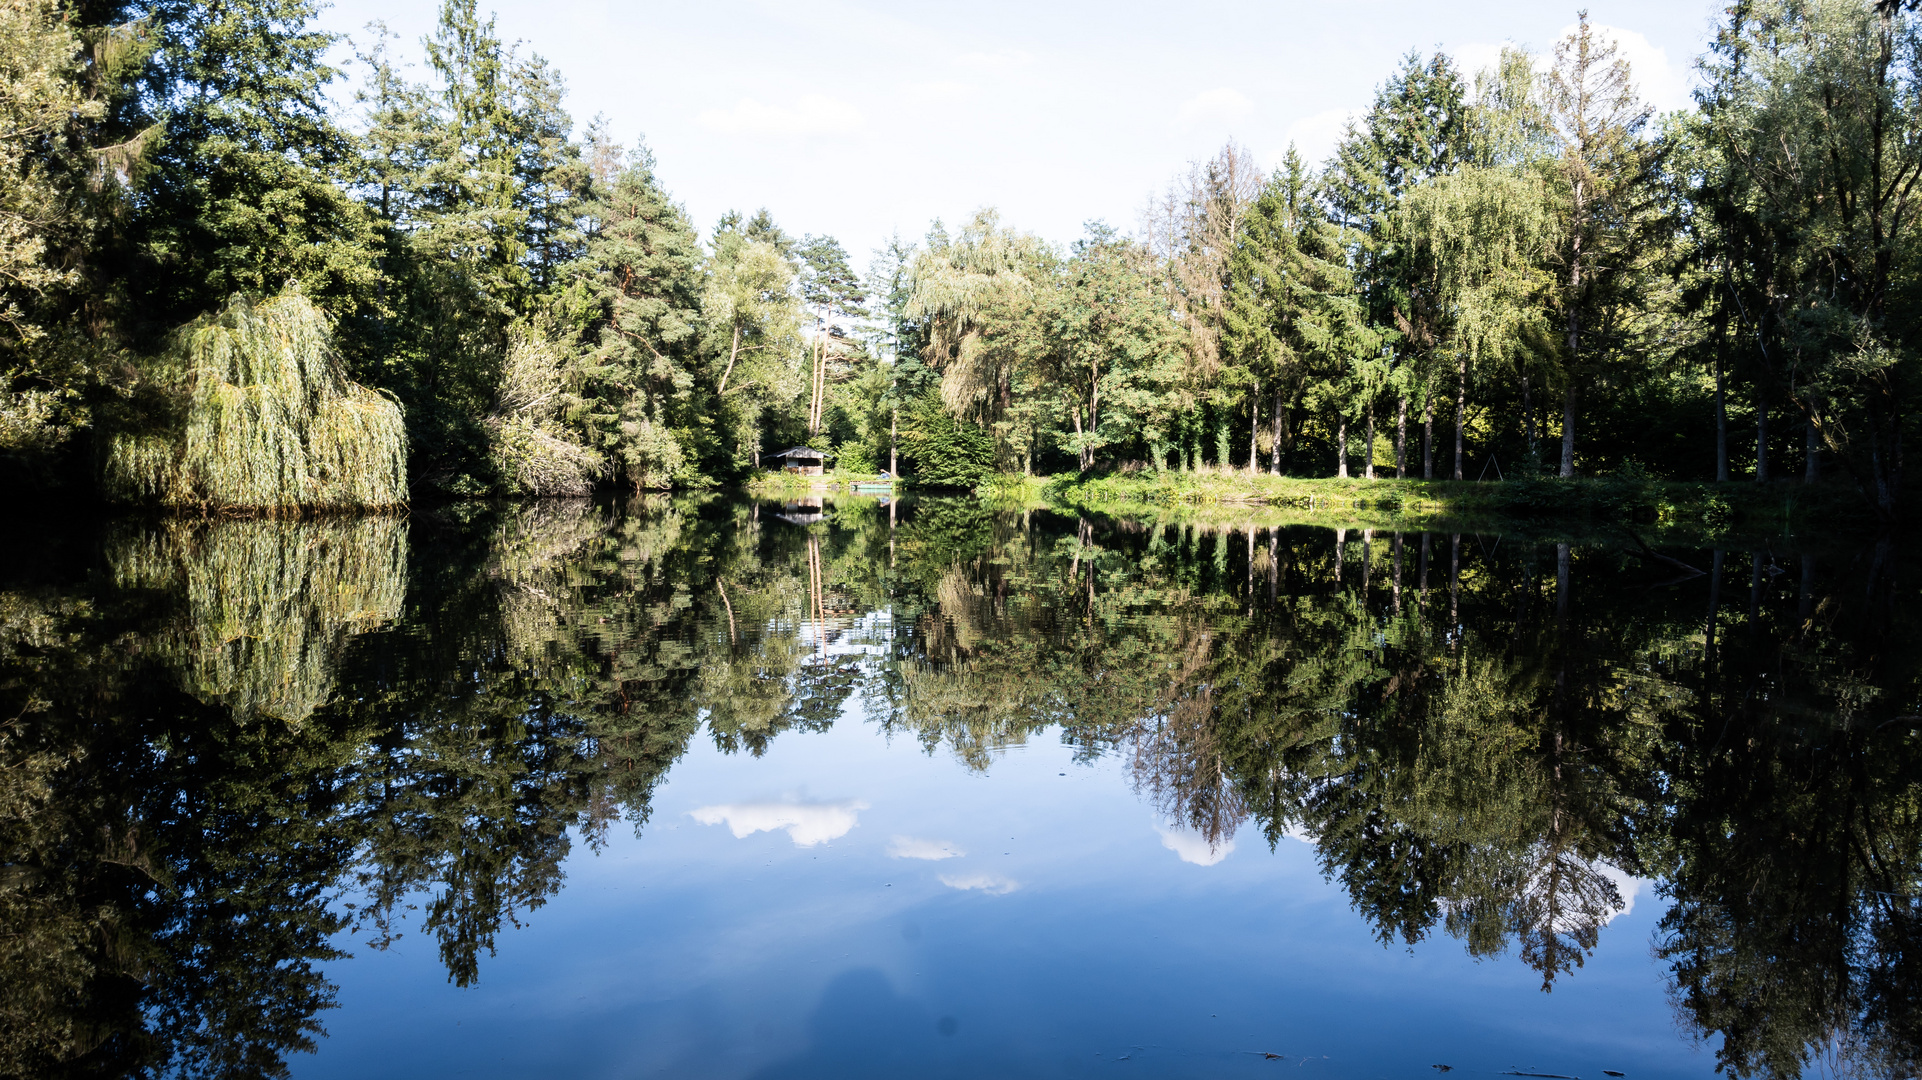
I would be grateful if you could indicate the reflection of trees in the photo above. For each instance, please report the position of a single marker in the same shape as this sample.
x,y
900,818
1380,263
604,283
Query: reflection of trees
x,y
268,605
166,861
1792,845
1477,738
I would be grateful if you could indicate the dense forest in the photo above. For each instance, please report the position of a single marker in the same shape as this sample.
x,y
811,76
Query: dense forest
x,y
216,288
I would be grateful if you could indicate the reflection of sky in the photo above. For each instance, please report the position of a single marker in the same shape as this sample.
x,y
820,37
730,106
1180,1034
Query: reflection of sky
x,y
807,823
843,951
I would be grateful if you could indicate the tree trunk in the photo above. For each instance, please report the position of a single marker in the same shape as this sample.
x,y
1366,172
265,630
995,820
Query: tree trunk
x,y
1574,333
1761,437
1568,429
1254,430
1401,438
1274,454
1721,412
1341,443
1461,408
1368,470
1428,437
894,441
732,354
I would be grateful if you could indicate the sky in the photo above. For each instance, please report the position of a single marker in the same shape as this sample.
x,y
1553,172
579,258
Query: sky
x,y
861,120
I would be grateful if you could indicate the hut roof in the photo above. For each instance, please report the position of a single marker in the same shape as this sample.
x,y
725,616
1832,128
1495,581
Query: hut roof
x,y
802,452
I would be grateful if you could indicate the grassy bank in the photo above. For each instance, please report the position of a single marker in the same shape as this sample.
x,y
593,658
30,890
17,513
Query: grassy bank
x,y
784,485
1739,506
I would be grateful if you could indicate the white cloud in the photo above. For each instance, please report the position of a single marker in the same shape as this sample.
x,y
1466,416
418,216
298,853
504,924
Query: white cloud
x,y
1628,887
999,58
1478,56
807,823
810,114
1660,84
991,884
1221,103
908,847
1193,847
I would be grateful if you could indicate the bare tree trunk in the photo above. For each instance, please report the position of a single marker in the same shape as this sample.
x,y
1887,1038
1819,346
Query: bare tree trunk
x,y
1274,454
733,353
1574,332
894,441
1254,429
1721,416
1761,437
1461,408
1568,429
1401,438
1369,469
1341,441
1428,437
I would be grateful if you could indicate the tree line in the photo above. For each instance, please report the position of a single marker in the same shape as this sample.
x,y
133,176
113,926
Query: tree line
x,y
1522,268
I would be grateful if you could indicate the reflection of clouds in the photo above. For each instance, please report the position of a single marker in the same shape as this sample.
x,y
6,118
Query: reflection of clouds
x,y
909,847
1626,886
992,884
1194,847
807,823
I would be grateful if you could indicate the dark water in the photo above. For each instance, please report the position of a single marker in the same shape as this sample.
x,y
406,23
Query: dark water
x,y
718,789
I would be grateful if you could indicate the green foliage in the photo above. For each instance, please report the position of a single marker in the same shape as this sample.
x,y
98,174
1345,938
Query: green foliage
x,y
645,263
270,421
244,192
946,451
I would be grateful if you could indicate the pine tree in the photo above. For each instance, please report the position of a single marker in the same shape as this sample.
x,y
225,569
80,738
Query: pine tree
x,y
244,193
646,266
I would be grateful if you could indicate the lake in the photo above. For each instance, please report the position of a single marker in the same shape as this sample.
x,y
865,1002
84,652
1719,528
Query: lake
x,y
711,787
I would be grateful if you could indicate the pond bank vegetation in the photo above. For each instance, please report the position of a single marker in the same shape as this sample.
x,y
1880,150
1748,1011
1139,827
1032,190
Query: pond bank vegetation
x,y
1522,265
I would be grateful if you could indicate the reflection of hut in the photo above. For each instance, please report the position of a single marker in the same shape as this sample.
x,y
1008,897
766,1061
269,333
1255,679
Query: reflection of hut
x,y
802,512
803,460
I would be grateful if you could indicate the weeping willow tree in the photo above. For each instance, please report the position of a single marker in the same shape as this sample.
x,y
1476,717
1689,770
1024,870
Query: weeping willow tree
x,y
972,294
269,604
1482,234
263,417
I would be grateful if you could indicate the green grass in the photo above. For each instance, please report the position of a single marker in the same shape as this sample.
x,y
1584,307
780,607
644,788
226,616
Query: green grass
x,y
1743,507
772,485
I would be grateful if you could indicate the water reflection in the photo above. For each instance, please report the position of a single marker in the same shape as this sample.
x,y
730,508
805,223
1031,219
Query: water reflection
x,y
231,741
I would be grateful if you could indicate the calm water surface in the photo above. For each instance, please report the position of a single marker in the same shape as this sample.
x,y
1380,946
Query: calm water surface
x,y
725,789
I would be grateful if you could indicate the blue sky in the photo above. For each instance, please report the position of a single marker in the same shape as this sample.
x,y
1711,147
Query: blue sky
x,y
858,119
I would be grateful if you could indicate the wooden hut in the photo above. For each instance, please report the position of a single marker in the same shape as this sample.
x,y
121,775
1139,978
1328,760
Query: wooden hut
x,y
802,460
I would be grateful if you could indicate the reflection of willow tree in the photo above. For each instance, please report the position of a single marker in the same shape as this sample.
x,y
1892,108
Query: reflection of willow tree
x,y
166,862
268,605
1792,841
